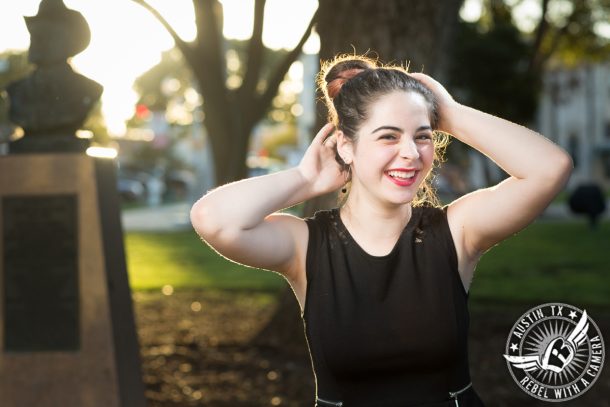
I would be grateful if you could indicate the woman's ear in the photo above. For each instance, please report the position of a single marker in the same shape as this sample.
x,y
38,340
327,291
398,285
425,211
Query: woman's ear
x,y
344,147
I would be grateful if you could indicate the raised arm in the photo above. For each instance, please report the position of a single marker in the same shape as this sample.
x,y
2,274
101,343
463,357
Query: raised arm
x,y
538,170
238,219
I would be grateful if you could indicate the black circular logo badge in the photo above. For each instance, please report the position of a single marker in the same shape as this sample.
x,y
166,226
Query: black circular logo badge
x,y
555,352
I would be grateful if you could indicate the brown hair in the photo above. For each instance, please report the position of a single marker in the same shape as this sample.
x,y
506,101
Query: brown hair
x,y
352,83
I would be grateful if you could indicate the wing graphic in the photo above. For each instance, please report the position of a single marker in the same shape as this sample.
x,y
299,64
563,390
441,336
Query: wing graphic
x,y
527,363
579,334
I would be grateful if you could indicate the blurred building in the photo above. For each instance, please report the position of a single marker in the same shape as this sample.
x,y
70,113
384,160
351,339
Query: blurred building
x,y
175,153
574,112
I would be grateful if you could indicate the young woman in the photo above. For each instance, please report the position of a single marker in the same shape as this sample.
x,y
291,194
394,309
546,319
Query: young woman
x,y
383,279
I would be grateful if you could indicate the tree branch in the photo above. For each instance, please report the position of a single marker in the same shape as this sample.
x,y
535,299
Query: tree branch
x,y
264,101
541,30
255,51
210,41
180,43
209,62
557,35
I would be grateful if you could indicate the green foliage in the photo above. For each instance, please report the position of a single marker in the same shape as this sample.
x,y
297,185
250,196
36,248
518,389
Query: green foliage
x,y
498,68
572,39
169,77
490,70
274,141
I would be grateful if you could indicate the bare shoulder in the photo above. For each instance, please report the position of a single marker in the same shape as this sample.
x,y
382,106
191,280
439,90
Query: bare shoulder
x,y
295,272
295,225
298,232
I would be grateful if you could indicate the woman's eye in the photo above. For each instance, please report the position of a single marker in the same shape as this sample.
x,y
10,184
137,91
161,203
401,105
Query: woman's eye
x,y
424,137
388,136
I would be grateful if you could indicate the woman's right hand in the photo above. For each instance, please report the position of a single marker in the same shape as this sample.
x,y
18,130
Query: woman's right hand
x,y
319,167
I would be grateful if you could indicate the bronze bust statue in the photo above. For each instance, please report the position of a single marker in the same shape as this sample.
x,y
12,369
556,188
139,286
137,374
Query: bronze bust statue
x,y
52,103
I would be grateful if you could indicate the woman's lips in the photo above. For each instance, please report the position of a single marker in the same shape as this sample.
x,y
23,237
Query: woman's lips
x,y
403,182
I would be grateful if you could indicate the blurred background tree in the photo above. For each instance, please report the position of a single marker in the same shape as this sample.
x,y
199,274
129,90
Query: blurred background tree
x,y
567,33
490,70
172,78
169,112
497,50
233,103
499,60
417,33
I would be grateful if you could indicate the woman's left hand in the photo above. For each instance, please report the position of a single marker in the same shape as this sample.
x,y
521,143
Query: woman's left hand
x,y
446,103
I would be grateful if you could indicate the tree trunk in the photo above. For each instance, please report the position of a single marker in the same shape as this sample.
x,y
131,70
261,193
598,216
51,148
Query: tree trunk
x,y
398,31
231,114
229,134
413,32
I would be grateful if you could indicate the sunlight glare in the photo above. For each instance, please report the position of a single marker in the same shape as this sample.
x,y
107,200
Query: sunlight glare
x,y
102,152
527,15
11,21
312,45
602,29
471,10
238,16
285,21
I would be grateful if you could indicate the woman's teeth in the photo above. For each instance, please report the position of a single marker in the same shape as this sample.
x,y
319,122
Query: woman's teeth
x,y
401,174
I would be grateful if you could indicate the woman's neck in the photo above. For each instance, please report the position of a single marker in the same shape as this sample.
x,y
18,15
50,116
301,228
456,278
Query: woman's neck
x,y
374,220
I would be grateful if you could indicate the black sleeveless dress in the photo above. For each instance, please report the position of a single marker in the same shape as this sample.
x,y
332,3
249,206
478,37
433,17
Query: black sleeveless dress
x,y
387,330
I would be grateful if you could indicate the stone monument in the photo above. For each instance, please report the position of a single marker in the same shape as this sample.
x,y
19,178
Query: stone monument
x,y
53,102
67,333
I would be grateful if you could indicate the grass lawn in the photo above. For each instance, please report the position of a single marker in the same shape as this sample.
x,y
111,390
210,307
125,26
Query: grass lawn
x,y
182,260
548,261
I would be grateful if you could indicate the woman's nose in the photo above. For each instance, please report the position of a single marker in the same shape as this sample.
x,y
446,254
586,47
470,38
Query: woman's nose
x,y
408,149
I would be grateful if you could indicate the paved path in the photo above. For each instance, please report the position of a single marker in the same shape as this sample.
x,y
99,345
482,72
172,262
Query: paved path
x,y
157,218
176,217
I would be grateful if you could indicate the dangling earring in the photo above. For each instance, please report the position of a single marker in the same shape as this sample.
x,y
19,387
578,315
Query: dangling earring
x,y
347,175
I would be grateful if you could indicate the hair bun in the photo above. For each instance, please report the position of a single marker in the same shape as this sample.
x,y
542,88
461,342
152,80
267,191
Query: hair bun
x,y
333,87
342,69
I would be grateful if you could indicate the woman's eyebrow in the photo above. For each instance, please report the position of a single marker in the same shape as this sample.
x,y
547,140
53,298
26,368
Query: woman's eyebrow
x,y
393,128
398,129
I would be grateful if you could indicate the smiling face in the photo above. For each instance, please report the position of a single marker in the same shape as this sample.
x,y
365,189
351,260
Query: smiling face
x,y
394,149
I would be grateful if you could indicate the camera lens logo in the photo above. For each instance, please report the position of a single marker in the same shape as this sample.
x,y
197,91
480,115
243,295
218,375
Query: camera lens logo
x,y
555,352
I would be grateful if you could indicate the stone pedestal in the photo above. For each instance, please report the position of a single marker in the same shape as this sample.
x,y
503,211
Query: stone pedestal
x,y
67,333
